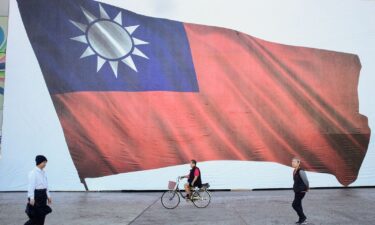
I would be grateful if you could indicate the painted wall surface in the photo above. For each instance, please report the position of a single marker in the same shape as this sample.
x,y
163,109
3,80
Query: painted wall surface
x,y
3,44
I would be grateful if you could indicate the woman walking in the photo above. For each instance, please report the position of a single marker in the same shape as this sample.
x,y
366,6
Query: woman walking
x,y
300,187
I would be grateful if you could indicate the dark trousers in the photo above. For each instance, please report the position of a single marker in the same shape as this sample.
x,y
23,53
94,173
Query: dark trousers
x,y
297,204
36,220
40,197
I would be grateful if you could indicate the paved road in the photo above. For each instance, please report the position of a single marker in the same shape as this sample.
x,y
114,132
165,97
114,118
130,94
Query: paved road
x,y
323,207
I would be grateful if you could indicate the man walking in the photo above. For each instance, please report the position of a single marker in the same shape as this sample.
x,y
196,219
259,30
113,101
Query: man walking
x,y
300,187
38,193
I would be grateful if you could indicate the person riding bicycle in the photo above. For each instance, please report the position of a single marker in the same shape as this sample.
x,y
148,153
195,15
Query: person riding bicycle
x,y
194,178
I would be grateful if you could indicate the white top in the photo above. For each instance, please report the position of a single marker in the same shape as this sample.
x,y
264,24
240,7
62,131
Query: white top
x,y
37,180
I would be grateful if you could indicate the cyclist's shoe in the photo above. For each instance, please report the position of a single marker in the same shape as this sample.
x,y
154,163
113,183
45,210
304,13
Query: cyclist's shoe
x,y
189,198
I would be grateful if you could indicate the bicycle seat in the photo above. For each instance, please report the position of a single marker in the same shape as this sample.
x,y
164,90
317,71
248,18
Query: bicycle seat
x,y
205,185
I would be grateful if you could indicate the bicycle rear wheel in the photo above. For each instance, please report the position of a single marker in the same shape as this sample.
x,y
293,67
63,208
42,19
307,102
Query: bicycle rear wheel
x,y
201,198
170,199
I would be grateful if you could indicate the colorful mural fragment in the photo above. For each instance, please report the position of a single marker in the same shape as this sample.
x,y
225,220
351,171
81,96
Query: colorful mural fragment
x,y
3,41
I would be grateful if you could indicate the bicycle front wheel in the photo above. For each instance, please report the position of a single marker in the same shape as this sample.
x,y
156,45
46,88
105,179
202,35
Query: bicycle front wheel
x,y
201,199
170,199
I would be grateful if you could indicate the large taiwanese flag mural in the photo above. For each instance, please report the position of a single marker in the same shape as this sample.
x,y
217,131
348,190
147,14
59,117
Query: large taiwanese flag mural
x,y
134,93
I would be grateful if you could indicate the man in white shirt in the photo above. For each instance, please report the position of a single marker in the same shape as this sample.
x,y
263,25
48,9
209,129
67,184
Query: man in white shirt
x,y
38,193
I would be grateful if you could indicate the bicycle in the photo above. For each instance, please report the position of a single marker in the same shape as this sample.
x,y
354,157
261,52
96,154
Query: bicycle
x,y
200,197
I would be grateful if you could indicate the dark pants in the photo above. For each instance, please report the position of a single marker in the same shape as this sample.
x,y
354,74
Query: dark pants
x,y
297,204
40,197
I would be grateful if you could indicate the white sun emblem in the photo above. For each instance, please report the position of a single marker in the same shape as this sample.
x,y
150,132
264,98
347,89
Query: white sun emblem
x,y
109,40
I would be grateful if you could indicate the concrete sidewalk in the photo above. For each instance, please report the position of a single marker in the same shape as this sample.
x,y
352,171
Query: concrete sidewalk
x,y
323,207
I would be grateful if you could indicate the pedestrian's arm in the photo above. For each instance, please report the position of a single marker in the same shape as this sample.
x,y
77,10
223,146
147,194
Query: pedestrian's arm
x,y
304,178
48,194
31,187
49,197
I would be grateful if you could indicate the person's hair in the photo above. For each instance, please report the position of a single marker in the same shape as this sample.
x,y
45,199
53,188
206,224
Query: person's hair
x,y
194,161
39,159
297,159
